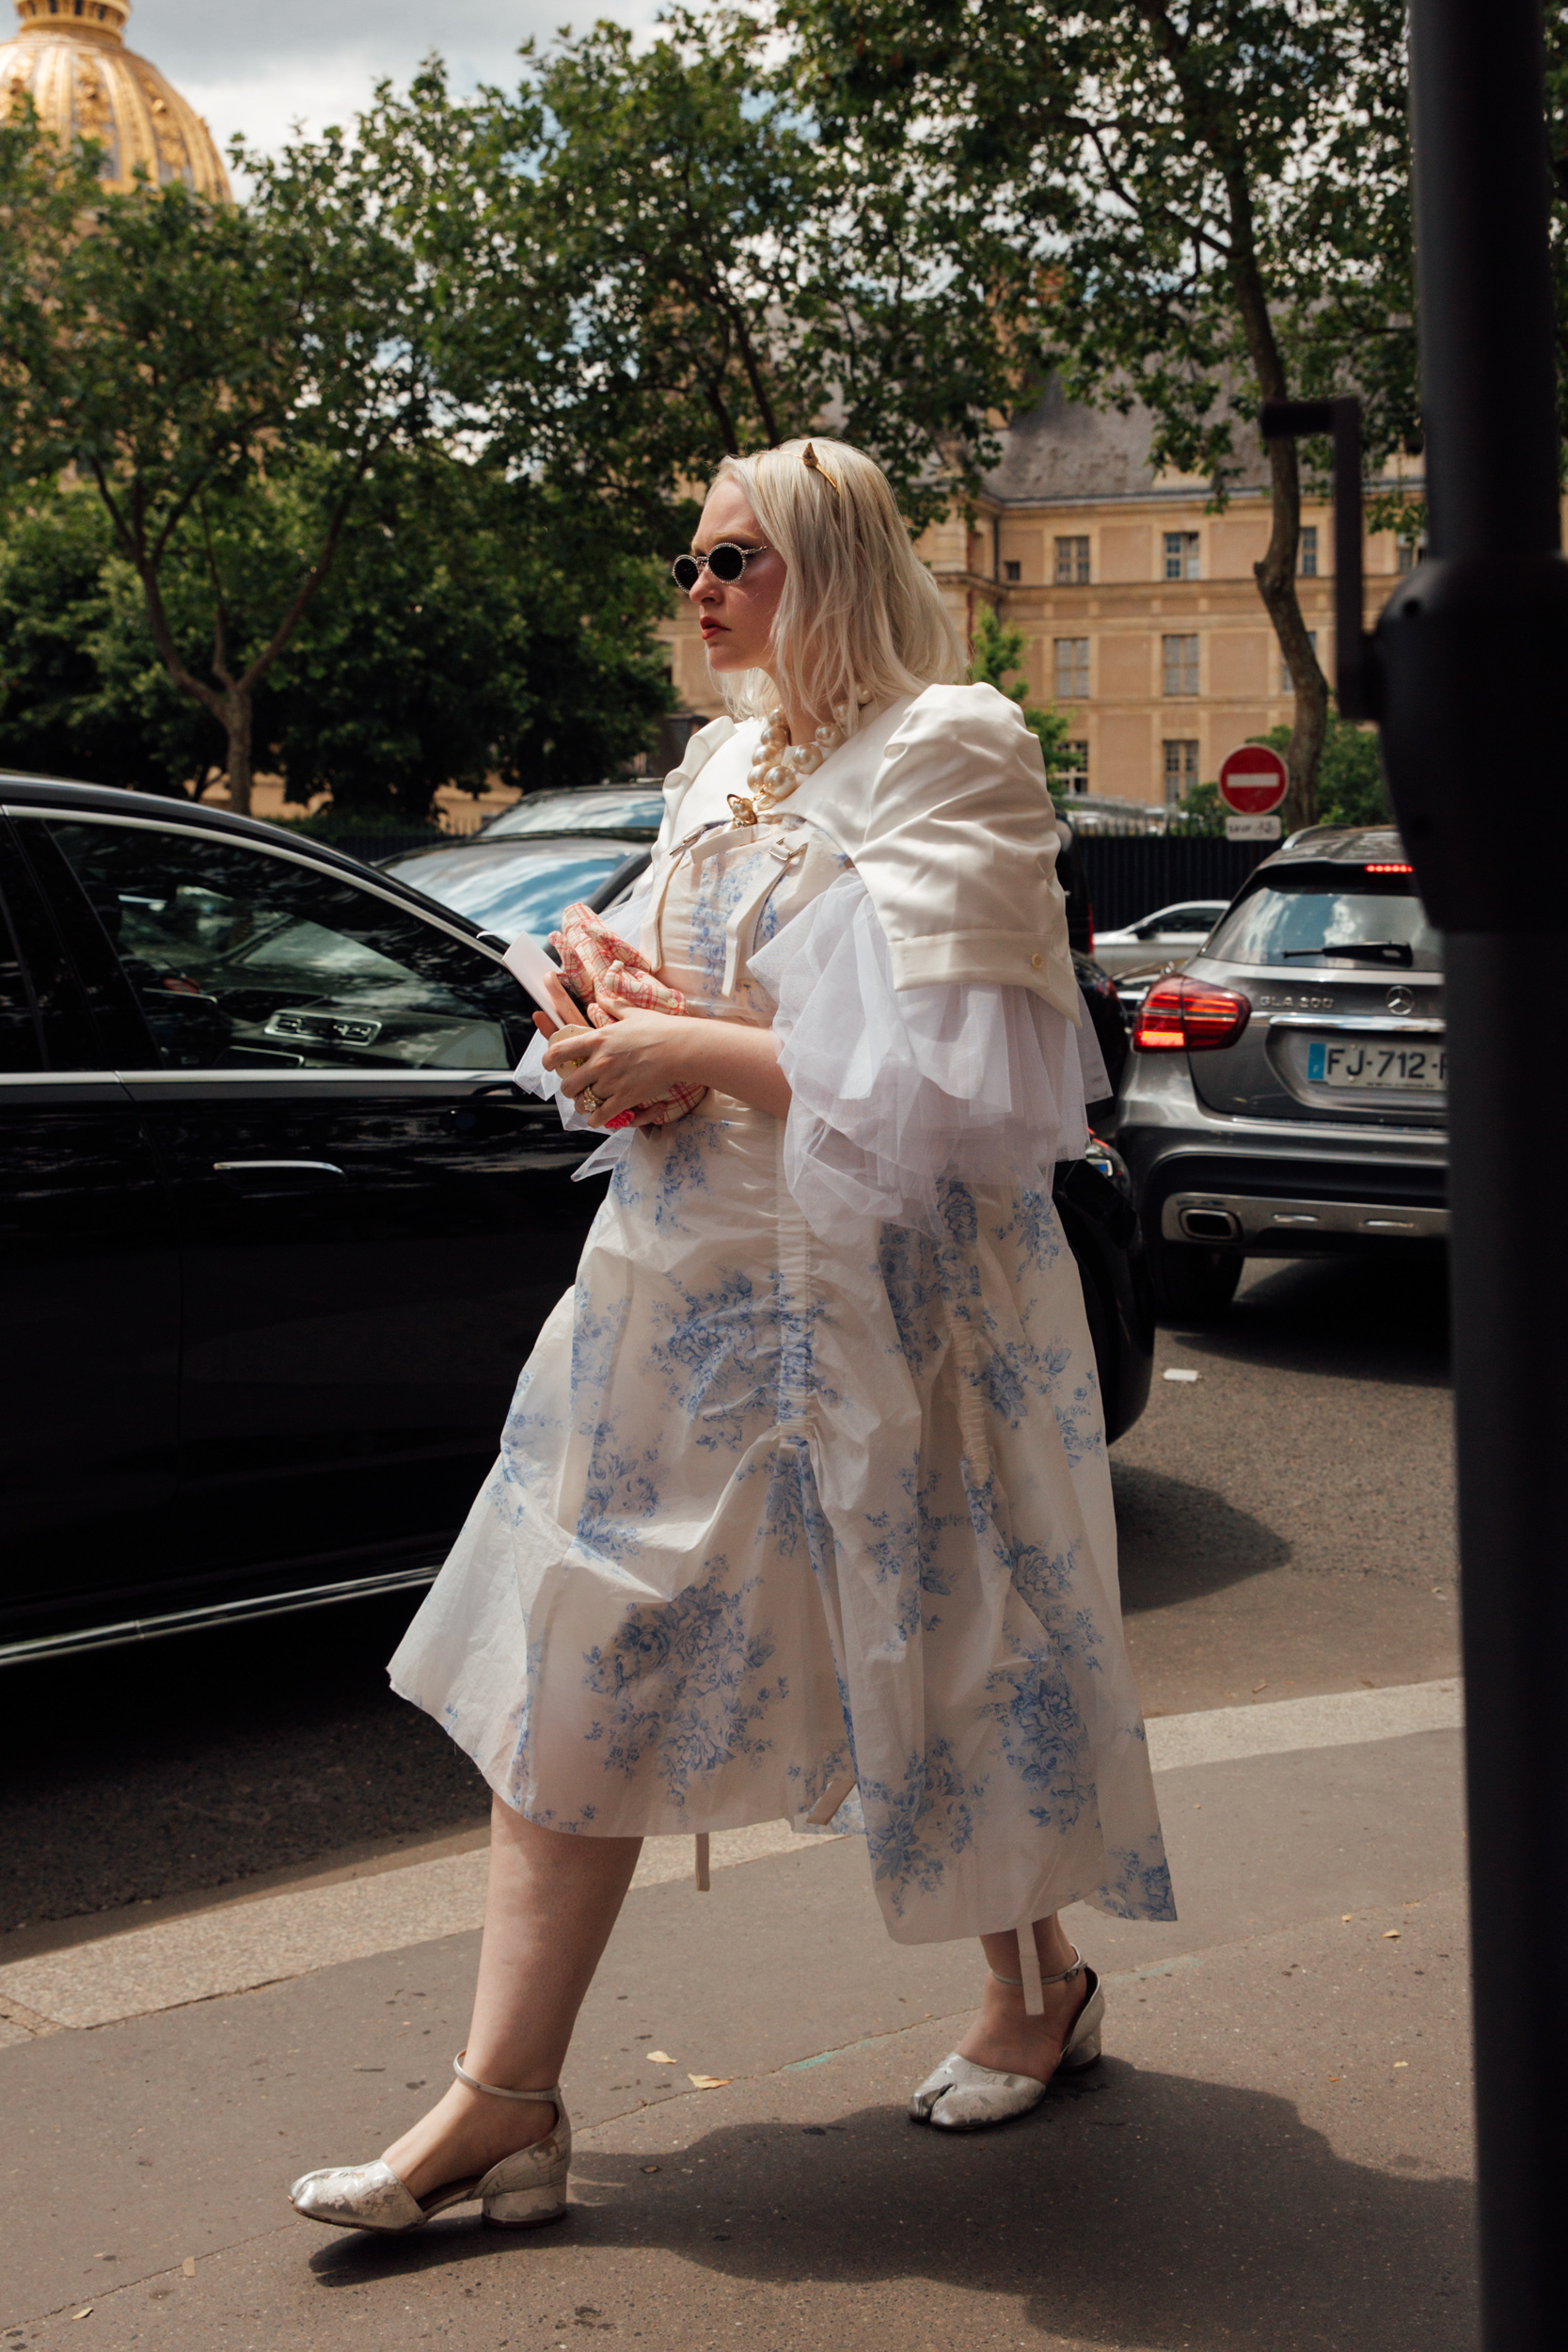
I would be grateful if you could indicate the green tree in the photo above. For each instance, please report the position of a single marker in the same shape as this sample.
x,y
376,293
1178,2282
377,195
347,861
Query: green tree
x,y
82,693
197,364
1350,779
473,626
644,259
1205,199
1350,775
997,653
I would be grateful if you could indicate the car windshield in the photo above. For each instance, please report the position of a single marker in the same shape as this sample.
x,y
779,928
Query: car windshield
x,y
635,814
506,891
1291,914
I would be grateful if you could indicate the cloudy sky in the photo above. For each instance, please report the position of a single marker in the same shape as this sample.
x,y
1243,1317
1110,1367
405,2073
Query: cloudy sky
x,y
257,69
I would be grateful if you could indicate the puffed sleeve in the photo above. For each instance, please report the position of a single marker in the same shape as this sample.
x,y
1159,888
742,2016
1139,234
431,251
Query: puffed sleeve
x,y
898,1089
960,849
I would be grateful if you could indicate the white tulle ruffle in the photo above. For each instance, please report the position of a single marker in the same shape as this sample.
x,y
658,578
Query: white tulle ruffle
x,y
896,1091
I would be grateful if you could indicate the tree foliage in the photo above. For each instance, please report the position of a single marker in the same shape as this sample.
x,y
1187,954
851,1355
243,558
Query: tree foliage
x,y
188,358
644,259
470,629
474,627
998,655
1206,201
83,691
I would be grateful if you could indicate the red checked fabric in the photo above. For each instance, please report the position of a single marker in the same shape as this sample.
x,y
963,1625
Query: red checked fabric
x,y
607,976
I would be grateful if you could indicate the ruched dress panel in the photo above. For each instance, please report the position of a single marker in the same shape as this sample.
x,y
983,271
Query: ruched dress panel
x,y
804,1487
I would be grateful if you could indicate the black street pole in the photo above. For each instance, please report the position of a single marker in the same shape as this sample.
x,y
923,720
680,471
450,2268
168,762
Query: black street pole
x,y
1468,678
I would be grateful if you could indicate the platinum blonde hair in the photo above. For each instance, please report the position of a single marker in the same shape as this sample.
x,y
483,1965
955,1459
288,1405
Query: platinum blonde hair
x,y
860,619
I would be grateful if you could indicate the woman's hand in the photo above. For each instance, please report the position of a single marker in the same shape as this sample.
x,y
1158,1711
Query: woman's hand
x,y
636,1061
644,1054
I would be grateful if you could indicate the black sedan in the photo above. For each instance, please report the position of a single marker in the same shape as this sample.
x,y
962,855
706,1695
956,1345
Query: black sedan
x,y
277,1225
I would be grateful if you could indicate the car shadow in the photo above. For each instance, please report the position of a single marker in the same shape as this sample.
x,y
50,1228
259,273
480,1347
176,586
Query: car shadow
x,y
195,1763
1178,1541
1135,2208
1381,1316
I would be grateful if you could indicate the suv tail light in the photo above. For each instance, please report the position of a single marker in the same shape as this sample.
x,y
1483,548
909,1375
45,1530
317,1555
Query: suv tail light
x,y
1182,1016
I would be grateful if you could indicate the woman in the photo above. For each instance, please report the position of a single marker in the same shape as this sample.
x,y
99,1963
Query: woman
x,y
804,1487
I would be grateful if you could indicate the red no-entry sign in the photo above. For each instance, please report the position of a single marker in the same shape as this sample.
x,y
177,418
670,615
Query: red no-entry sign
x,y
1252,780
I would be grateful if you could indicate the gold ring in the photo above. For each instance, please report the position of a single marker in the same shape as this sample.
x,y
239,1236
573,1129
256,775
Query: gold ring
x,y
588,1099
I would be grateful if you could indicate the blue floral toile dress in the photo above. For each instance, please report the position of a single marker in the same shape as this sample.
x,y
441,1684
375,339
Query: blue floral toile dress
x,y
797,1497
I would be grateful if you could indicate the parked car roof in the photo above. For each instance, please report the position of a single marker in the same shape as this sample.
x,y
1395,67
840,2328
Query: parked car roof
x,y
521,885
633,810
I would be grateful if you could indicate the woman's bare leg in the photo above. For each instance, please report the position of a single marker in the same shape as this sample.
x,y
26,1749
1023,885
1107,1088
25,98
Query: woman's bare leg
x,y
1003,2036
548,1910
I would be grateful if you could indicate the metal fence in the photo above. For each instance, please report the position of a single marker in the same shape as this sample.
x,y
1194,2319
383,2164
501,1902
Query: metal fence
x,y
1128,876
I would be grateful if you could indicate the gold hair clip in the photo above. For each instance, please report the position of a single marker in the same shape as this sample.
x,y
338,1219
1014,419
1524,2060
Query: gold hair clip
x,y
813,465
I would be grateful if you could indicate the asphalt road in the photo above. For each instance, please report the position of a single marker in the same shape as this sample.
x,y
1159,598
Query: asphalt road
x,y
1285,1526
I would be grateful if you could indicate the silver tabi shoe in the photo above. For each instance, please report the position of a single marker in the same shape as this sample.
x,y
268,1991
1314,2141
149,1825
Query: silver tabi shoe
x,y
962,2096
519,2192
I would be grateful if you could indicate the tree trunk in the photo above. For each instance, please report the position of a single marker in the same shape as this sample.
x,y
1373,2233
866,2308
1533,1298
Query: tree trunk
x,y
1276,584
235,715
1276,574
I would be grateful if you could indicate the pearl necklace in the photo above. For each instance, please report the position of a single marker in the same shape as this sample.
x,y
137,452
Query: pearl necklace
x,y
778,765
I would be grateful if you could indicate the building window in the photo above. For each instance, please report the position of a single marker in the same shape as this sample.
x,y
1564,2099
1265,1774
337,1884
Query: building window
x,y
1073,563
1011,571
1182,555
1181,768
1286,684
1307,563
1180,665
1409,552
1072,669
1075,776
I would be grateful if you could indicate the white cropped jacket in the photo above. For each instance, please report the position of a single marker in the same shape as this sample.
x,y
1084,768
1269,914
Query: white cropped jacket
x,y
939,801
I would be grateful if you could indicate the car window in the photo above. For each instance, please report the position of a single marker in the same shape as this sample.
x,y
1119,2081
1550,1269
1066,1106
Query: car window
x,y
21,1043
508,891
1188,919
46,1021
241,958
1291,914
637,816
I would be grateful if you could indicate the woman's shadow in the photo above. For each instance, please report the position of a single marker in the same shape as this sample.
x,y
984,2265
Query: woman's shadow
x,y
1133,2208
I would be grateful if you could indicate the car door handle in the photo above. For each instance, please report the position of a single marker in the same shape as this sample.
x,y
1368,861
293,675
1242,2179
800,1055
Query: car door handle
x,y
500,1094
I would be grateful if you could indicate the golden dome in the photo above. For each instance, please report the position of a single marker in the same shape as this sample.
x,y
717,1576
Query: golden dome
x,y
71,57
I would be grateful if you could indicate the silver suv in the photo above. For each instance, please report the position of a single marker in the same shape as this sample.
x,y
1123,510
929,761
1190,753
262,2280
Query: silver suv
x,y
1286,1092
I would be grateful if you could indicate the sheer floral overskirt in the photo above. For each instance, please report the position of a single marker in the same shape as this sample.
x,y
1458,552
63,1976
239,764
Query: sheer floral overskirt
x,y
773,1510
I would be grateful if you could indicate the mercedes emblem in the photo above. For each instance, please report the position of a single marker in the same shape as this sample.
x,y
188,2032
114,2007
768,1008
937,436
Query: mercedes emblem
x,y
1401,1000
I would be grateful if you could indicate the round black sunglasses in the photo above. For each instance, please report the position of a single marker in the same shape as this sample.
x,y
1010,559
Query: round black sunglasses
x,y
726,561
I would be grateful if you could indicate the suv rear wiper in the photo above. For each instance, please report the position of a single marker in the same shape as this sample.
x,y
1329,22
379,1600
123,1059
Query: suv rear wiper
x,y
1385,950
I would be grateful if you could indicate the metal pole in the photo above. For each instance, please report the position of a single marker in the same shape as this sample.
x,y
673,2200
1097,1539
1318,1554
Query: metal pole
x,y
1469,678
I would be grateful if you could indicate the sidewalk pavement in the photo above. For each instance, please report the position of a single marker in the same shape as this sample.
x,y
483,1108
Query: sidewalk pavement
x,y
1273,2152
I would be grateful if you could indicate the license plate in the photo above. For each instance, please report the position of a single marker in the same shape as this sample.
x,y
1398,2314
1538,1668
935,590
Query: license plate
x,y
1407,1069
